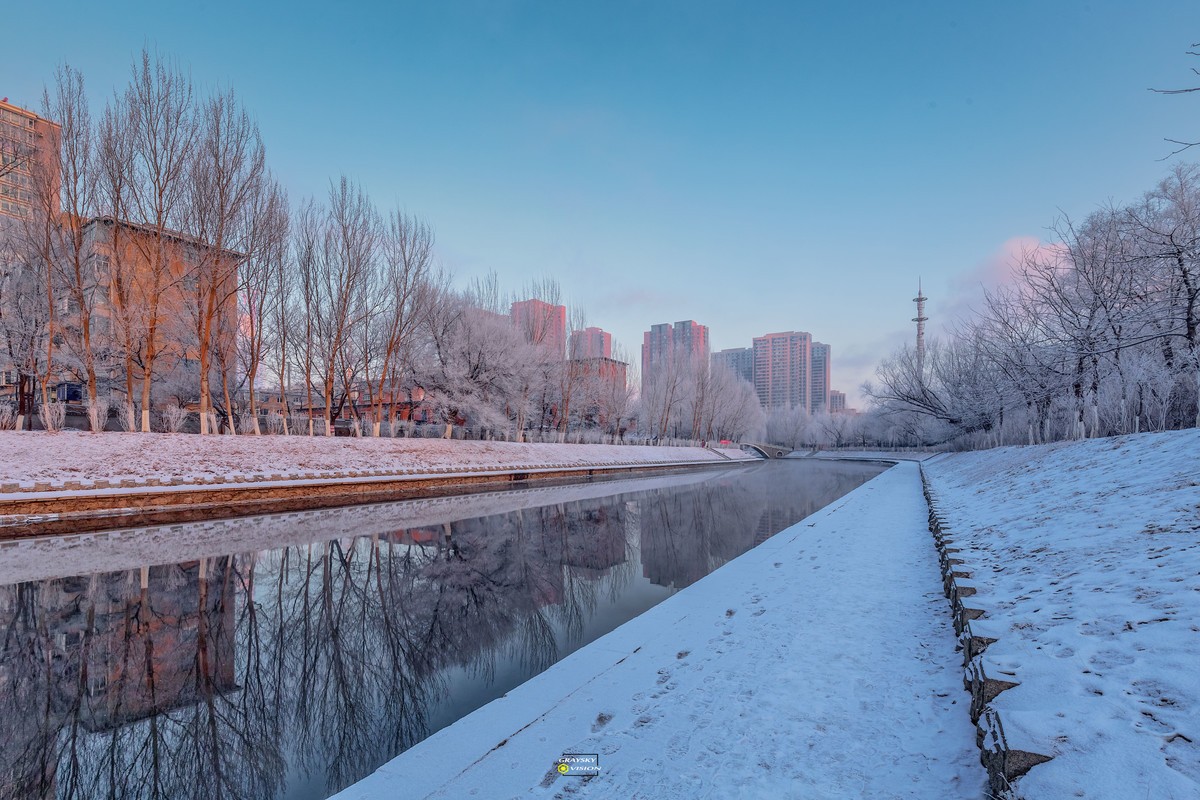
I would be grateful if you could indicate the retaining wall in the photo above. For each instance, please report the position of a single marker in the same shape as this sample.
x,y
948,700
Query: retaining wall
x,y
1004,763
74,506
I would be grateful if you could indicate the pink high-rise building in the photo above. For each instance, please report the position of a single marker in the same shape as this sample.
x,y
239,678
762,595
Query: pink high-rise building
x,y
29,148
542,324
783,369
590,343
664,345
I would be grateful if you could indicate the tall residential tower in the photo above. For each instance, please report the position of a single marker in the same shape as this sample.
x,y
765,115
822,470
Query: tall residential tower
x,y
666,345
783,369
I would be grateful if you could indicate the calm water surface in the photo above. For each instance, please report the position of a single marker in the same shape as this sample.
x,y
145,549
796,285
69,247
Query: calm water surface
x,y
318,645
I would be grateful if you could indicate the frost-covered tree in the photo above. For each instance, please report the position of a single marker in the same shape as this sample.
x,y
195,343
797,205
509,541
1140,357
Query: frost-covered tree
x,y
1096,335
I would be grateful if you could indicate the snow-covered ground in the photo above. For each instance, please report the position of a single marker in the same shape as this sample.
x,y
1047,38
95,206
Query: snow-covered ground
x,y
50,459
1086,561
819,665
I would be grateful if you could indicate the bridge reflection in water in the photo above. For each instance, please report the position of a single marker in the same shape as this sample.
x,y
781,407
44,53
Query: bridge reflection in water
x,y
291,672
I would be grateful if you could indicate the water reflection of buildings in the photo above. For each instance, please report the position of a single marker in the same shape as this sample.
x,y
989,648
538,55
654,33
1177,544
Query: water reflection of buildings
x,y
169,646
596,538
345,643
686,533
99,652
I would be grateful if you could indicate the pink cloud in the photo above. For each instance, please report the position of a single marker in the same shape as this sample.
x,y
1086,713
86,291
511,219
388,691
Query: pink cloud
x,y
965,293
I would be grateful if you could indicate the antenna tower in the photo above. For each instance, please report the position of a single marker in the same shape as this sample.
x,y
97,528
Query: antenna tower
x,y
920,319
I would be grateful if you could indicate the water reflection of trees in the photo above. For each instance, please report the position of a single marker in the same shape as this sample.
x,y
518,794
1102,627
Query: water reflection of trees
x,y
245,675
130,684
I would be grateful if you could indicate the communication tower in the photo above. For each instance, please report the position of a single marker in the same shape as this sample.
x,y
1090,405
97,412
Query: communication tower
x,y
920,319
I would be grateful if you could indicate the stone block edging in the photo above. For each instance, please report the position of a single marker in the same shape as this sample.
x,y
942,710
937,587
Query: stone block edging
x,y
1003,763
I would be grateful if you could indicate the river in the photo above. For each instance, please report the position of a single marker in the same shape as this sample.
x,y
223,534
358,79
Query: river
x,y
287,656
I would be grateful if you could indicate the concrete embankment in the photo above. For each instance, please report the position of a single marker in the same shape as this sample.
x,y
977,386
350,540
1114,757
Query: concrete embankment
x,y
48,510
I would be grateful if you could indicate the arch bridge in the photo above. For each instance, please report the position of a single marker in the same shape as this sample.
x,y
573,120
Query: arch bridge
x,y
766,450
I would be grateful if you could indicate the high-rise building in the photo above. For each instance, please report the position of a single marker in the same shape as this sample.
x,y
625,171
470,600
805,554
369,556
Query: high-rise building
x,y
821,365
837,401
738,360
590,343
685,342
656,348
783,369
691,341
28,156
542,324
29,176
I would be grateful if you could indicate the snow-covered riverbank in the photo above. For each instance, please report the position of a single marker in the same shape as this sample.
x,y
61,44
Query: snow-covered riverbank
x,y
821,664
1085,559
51,460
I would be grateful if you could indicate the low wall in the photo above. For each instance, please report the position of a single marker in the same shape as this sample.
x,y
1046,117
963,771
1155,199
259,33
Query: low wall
x,y
1003,763
127,503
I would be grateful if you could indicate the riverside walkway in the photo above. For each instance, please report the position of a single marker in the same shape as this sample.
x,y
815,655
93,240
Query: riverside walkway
x,y
821,664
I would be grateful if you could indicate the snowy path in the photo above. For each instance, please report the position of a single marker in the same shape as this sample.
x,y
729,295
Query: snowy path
x,y
819,665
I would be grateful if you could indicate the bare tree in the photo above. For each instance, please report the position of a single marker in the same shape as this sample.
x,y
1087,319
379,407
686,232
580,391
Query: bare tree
x,y
74,263
24,322
406,250
1183,145
161,111
226,174
1167,223
336,262
261,285
115,154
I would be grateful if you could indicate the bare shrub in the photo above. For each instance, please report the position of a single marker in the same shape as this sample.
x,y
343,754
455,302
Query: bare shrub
x,y
8,417
274,424
174,418
127,415
52,415
97,411
298,425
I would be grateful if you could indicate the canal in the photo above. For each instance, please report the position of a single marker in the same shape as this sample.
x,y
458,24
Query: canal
x,y
287,656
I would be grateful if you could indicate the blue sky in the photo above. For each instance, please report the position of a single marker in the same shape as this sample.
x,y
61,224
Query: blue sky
x,y
756,167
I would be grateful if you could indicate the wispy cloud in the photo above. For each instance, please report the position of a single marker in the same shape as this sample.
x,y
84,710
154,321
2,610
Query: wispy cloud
x,y
965,293
856,363
625,299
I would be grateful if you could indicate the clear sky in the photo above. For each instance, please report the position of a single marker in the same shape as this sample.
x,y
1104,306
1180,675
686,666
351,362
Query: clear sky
x,y
754,166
